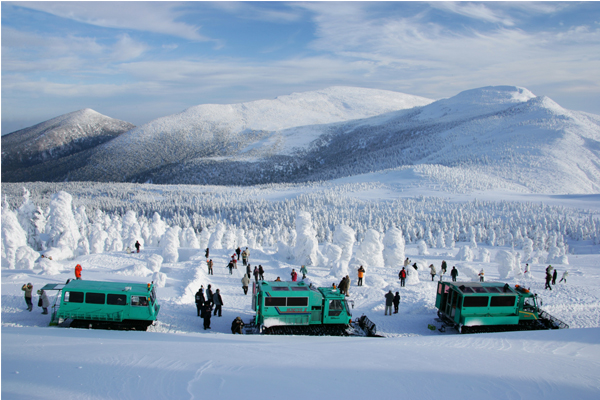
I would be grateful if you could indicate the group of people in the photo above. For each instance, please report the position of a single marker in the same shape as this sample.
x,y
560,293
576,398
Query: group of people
x,y
391,299
43,302
552,274
204,304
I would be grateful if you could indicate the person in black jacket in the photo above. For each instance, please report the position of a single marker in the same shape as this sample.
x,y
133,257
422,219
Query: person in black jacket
x,y
199,299
236,326
206,314
554,276
396,302
209,296
454,274
261,272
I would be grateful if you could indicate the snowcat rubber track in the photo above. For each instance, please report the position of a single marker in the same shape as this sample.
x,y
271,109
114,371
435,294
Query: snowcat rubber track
x,y
307,330
110,325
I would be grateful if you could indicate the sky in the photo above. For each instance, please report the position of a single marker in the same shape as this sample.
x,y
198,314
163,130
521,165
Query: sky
x,y
138,61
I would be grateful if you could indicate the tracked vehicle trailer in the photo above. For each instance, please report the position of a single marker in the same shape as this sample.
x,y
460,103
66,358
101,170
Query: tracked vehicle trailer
x,y
475,307
295,308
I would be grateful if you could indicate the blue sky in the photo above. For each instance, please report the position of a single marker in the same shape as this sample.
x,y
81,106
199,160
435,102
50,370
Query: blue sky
x,y
138,61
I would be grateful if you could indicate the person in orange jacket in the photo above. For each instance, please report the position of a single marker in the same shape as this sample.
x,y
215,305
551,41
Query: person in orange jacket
x,y
78,272
361,274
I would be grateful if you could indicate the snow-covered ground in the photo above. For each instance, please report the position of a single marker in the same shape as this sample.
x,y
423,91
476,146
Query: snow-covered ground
x,y
177,359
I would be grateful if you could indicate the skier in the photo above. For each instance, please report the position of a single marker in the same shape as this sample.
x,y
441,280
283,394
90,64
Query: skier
x,y
481,275
361,274
245,255
261,272
245,282
199,297
433,271
236,326
209,296
256,274
402,276
44,300
389,301
304,271
210,266
78,272
454,273
205,314
564,277
218,301
396,302
27,289
294,275
554,276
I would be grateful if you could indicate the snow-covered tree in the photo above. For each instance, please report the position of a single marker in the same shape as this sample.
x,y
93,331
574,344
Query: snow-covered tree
x,y
98,239
370,252
26,215
506,263
393,247
131,231
156,230
189,238
422,246
306,249
13,237
465,254
62,229
216,237
170,245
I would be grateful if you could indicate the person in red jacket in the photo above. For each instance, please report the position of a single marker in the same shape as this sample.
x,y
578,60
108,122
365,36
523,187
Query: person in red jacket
x,y
78,272
294,275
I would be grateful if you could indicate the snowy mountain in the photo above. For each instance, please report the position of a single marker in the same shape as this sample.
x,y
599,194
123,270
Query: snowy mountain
x,y
54,139
491,137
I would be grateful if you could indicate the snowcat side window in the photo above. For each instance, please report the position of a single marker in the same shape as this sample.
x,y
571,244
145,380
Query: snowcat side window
x,y
503,301
116,299
297,301
73,297
94,298
476,301
274,301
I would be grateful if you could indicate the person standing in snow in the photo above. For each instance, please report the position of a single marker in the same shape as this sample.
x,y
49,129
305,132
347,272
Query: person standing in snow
x,y
304,271
564,277
249,270
406,262
454,273
78,272
206,314
45,301
27,289
361,274
199,298
218,300
433,271
342,285
261,272
137,246
209,296
256,274
245,255
389,301
554,276
210,266
402,276
481,275
526,269
245,283
236,326
206,253
396,302
294,275
238,251
548,280
347,286
230,266
234,261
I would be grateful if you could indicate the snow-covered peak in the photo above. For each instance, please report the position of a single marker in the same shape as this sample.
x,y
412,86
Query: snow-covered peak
x,y
475,102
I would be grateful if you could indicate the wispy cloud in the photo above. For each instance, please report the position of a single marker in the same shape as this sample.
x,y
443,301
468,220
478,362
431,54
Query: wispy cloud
x,y
478,11
157,17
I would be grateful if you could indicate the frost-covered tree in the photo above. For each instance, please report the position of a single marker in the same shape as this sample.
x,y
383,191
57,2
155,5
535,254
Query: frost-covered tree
x,y
189,239
13,237
441,240
83,247
422,246
393,247
506,263
228,240
465,254
25,257
370,252
156,230
98,238
154,262
216,237
344,238
170,245
26,215
62,229
307,246
485,255
527,249
131,231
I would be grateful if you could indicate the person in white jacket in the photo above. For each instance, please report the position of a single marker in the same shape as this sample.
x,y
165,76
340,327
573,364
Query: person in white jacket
x,y
564,277
433,271
245,283
481,275
45,301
